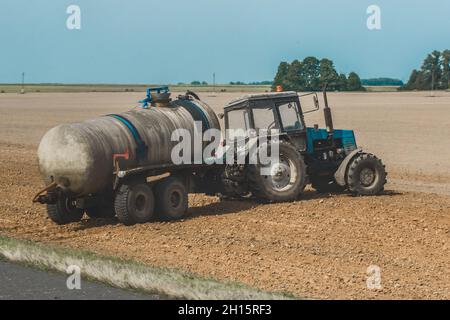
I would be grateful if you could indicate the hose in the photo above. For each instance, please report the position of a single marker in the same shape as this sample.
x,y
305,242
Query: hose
x,y
50,186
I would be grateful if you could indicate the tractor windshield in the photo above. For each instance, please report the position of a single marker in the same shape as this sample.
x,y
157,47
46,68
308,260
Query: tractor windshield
x,y
290,117
264,118
263,115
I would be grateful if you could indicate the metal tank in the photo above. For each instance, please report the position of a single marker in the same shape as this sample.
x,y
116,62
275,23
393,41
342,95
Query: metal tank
x,y
80,157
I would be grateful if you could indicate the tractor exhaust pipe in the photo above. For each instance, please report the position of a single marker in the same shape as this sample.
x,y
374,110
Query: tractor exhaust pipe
x,y
327,113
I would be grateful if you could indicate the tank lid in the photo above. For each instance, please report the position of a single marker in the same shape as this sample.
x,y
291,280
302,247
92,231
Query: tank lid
x,y
159,96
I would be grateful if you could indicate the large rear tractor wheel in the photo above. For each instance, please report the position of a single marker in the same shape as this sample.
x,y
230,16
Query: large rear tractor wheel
x,y
64,210
279,182
134,203
171,199
366,175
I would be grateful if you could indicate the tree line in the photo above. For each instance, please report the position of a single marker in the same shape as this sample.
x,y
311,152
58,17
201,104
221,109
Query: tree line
x,y
254,83
312,74
433,74
236,83
382,82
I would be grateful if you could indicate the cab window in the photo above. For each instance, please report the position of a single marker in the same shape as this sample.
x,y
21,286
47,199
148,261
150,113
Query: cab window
x,y
290,117
238,119
264,118
263,115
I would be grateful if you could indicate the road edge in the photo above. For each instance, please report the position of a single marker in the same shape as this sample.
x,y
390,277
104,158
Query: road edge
x,y
129,274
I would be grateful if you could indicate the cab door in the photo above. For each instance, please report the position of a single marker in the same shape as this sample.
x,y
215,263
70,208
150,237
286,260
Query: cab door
x,y
292,123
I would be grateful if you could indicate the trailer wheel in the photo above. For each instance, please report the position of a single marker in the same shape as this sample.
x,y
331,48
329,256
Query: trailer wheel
x,y
288,178
366,175
171,199
64,210
134,203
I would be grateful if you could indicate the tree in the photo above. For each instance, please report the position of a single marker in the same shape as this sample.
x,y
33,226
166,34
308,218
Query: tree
x,y
328,75
433,74
412,82
195,83
431,69
446,69
342,83
310,73
382,82
354,82
280,77
294,80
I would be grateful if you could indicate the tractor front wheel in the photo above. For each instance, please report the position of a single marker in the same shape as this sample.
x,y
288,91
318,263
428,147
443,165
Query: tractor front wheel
x,y
366,175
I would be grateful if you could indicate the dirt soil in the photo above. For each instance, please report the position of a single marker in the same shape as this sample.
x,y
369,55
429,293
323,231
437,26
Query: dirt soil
x,y
319,246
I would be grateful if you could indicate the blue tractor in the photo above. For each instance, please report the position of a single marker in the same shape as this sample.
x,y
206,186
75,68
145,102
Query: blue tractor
x,y
328,159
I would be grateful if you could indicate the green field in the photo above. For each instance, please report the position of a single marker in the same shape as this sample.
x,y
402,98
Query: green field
x,y
16,88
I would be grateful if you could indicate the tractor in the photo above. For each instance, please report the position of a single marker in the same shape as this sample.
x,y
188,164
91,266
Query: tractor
x,y
328,159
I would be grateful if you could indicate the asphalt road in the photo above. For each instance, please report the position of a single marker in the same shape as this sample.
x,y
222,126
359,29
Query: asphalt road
x,y
24,283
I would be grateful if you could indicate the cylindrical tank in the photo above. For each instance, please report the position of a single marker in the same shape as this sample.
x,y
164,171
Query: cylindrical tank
x,y
79,156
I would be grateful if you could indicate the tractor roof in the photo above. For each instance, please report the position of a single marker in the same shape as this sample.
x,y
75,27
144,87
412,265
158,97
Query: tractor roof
x,y
262,96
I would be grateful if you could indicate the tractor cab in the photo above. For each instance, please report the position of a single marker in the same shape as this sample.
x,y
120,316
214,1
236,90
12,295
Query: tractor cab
x,y
269,113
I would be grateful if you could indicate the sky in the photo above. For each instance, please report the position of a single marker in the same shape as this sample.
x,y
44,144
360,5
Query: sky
x,y
170,41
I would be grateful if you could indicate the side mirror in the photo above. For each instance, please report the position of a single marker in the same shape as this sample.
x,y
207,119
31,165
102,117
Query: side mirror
x,y
220,115
315,102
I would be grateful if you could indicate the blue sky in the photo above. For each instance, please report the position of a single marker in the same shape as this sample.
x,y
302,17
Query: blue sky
x,y
147,41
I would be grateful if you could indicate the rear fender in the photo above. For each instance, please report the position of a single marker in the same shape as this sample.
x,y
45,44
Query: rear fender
x,y
339,175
